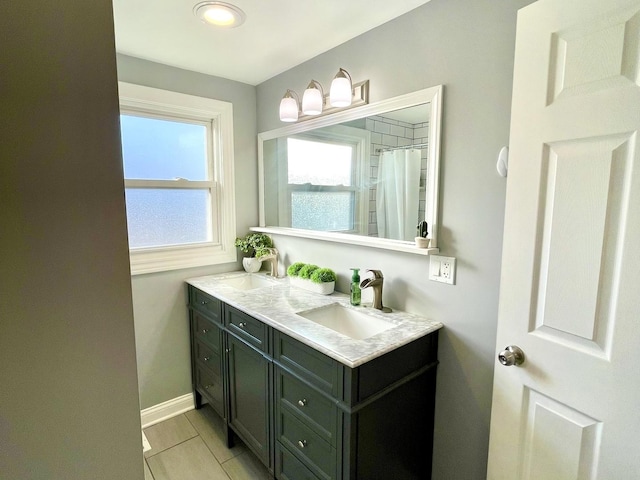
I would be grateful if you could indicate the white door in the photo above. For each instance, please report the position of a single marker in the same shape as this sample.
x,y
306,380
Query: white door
x,y
570,287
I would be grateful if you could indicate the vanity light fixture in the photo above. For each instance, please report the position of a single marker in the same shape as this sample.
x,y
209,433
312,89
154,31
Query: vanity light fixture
x,y
289,107
219,14
313,99
342,95
341,92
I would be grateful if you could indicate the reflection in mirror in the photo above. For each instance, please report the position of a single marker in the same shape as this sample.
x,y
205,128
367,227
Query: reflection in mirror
x,y
368,174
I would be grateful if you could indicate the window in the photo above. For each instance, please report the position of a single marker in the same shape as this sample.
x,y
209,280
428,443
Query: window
x,y
178,169
325,182
320,178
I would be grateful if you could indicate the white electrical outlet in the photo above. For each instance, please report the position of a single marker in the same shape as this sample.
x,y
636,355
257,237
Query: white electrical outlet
x,y
442,269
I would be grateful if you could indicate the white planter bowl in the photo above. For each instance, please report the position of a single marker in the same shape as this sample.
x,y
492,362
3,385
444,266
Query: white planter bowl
x,y
251,264
321,288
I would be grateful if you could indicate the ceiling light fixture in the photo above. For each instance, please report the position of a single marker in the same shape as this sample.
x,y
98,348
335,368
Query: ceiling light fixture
x,y
219,14
343,94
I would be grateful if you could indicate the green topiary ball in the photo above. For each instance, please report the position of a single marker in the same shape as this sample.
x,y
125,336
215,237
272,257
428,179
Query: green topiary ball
x,y
307,270
294,269
323,275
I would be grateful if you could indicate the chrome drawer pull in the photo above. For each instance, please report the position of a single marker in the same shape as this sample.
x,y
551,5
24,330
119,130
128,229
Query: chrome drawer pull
x,y
242,324
302,443
302,402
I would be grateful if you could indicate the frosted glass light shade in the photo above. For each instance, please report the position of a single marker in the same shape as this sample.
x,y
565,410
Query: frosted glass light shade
x,y
341,90
312,99
288,108
219,14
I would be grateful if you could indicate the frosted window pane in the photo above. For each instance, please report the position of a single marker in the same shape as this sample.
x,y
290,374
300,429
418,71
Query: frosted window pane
x,y
155,149
319,163
162,217
326,211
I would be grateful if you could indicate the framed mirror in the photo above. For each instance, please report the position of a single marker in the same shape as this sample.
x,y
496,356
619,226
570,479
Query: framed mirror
x,y
365,176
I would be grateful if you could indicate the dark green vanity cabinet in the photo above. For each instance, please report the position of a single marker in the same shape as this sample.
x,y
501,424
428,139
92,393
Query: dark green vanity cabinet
x,y
305,415
207,351
249,386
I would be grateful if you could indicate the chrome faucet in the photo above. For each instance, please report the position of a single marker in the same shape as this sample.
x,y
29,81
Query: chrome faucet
x,y
376,283
272,258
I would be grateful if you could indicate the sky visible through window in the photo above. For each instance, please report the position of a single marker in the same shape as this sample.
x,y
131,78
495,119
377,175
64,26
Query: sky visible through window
x,y
319,163
163,149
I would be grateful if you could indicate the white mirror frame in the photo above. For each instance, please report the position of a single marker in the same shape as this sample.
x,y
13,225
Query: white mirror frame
x,y
432,95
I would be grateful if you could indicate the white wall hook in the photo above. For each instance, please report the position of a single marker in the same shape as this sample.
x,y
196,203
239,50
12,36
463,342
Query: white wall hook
x,y
503,162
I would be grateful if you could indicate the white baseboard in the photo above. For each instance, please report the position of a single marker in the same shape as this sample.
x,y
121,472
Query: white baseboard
x,y
163,411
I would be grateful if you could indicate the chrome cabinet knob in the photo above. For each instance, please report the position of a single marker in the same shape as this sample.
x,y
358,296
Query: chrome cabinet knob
x,y
242,324
302,443
206,359
302,402
207,387
204,330
204,302
511,355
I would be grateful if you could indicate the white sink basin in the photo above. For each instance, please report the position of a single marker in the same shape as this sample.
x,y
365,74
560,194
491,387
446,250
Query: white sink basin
x,y
248,282
351,322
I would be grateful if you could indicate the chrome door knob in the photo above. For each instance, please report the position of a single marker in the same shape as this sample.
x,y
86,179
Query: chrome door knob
x,y
511,355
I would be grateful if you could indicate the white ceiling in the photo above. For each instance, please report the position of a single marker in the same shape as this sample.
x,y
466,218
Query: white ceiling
x,y
276,36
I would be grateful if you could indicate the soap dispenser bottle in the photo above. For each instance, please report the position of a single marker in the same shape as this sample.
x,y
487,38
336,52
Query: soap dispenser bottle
x,y
356,293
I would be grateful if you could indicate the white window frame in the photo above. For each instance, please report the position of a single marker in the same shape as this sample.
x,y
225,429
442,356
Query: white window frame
x,y
153,102
360,141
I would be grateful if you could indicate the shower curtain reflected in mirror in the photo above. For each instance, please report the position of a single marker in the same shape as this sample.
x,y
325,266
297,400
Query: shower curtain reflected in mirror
x,y
397,194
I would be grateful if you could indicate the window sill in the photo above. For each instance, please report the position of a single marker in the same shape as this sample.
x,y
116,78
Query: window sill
x,y
166,259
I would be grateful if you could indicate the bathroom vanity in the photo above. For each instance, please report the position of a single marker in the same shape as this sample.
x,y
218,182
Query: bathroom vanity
x,y
311,402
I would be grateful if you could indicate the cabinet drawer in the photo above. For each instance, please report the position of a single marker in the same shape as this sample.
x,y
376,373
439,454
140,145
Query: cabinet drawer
x,y
318,455
205,330
207,304
315,409
210,385
315,367
207,357
288,467
251,330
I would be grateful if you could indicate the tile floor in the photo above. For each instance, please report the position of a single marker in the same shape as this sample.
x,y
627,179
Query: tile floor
x,y
191,446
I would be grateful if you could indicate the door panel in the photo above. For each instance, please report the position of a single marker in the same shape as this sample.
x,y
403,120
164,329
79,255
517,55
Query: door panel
x,y
582,192
571,258
249,380
554,427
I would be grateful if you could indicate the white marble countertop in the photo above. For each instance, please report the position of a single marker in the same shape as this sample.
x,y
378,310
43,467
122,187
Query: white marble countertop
x,y
277,304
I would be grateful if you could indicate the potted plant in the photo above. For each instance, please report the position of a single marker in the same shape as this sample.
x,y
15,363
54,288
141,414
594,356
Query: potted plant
x,y
311,277
256,245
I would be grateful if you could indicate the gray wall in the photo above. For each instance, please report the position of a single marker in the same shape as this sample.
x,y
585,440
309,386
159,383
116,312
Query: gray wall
x,y
468,46
159,299
68,393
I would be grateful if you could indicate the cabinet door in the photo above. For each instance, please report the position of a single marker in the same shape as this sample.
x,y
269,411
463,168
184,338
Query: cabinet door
x,y
249,381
